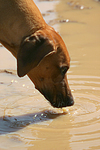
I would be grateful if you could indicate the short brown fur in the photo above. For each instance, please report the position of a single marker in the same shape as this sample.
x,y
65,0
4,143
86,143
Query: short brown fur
x,y
38,48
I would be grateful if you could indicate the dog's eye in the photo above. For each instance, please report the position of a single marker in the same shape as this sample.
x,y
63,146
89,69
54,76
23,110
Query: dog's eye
x,y
64,69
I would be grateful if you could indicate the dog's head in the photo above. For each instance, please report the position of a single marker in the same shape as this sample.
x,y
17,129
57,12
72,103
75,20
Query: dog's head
x,y
44,58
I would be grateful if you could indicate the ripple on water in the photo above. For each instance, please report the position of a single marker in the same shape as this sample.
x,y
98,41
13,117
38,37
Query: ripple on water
x,y
85,115
80,124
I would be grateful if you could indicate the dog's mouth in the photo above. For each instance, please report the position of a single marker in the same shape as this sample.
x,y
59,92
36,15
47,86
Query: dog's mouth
x,y
63,102
59,100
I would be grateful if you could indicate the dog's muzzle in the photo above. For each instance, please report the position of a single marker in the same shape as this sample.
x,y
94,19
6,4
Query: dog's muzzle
x,y
63,101
59,100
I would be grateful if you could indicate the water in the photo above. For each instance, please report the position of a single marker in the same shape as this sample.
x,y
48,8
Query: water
x,y
27,121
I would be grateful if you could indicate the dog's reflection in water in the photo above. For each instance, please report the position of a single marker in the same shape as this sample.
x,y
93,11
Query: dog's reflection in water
x,y
13,123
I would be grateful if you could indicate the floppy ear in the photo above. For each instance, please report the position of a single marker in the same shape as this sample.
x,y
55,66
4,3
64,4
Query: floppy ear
x,y
32,50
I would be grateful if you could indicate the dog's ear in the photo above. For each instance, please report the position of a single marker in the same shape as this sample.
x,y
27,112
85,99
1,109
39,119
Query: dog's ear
x,y
32,50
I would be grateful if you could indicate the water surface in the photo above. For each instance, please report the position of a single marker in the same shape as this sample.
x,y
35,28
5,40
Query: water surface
x,y
27,121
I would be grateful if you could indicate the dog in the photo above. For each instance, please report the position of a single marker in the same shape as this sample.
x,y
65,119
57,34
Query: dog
x,y
39,49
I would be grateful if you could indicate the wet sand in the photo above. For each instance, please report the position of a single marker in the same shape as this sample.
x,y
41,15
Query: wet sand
x,y
27,121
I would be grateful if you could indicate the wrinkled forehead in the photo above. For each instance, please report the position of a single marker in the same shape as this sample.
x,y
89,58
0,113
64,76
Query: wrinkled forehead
x,y
56,60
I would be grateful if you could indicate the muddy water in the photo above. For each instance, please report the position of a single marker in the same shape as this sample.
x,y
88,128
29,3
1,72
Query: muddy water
x,y
27,121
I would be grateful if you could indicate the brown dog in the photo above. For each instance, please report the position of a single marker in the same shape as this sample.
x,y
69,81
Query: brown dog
x,y
40,51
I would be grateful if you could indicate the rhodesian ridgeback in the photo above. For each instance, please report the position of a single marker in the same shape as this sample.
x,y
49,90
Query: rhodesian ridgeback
x,y
39,49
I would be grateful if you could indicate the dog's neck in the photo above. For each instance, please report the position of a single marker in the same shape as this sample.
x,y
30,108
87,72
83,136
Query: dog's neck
x,y
22,19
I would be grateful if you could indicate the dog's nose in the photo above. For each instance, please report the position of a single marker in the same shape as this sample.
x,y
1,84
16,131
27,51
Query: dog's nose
x,y
70,101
